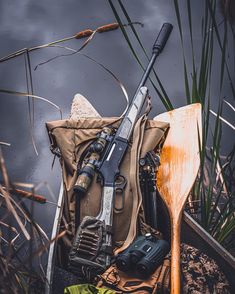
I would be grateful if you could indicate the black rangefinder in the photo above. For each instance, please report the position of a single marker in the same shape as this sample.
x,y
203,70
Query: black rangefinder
x,y
143,256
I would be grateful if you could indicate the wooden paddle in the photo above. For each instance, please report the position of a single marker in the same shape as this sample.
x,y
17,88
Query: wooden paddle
x,y
178,170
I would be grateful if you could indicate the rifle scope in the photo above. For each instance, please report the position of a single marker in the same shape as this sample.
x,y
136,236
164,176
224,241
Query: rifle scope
x,y
87,172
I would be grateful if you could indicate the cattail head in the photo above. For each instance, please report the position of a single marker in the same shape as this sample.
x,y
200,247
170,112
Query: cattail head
x,y
108,27
83,34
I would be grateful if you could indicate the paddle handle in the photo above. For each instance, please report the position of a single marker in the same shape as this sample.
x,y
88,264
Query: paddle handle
x,y
175,255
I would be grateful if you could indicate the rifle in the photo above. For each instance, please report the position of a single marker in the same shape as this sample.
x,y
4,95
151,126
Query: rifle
x,y
92,247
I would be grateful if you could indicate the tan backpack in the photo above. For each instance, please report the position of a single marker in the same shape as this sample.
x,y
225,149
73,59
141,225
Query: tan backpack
x,y
69,140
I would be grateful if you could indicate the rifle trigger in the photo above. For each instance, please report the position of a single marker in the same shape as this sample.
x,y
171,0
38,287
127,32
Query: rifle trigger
x,y
119,187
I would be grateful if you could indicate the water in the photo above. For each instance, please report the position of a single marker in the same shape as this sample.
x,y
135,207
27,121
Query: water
x,y
28,23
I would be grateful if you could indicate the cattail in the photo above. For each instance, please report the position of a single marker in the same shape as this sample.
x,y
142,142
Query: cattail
x,y
29,195
108,27
102,29
83,34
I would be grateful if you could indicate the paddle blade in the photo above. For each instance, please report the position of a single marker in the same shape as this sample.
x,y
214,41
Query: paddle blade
x,y
180,158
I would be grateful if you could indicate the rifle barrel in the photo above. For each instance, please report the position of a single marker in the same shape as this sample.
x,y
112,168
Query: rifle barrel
x,y
157,49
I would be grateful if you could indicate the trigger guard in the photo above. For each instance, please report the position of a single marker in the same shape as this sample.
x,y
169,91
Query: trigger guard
x,y
119,189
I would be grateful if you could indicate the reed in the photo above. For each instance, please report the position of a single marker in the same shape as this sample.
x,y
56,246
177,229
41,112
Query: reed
x,y
23,242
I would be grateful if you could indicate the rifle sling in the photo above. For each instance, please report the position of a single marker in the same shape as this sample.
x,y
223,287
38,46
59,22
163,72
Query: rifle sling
x,y
138,135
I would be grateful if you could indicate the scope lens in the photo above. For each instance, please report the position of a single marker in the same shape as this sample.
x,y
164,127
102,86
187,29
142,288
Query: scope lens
x,y
82,184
